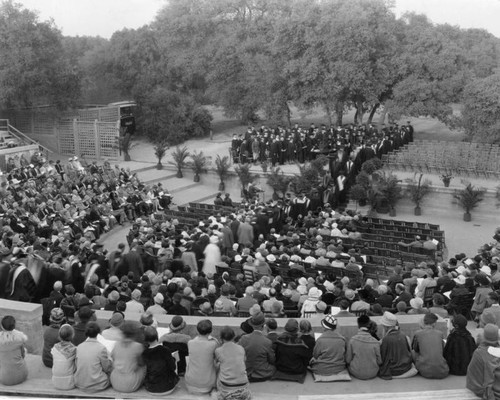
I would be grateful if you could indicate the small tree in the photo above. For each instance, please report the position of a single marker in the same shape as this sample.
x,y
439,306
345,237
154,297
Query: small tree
x,y
243,172
417,191
358,194
372,165
199,164
278,182
222,169
179,157
469,198
160,148
390,190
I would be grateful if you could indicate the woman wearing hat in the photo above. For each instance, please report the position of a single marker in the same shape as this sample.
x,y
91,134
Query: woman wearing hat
x,y
395,350
480,372
292,354
329,351
51,335
13,369
312,300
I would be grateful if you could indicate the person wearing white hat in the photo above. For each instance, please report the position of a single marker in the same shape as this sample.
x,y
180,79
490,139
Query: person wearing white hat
x,y
309,305
395,350
157,308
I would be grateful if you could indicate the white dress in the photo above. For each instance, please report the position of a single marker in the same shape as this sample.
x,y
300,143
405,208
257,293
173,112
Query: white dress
x,y
212,257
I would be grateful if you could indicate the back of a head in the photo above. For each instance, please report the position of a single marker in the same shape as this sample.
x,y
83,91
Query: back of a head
x,y
92,330
150,334
401,306
305,326
204,327
344,305
66,333
271,324
129,329
363,321
8,323
227,334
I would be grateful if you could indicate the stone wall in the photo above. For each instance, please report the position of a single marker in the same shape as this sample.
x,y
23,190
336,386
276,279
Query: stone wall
x,y
28,320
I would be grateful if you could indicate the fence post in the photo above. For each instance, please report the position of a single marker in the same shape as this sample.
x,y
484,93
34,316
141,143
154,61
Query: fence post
x,y
97,141
76,136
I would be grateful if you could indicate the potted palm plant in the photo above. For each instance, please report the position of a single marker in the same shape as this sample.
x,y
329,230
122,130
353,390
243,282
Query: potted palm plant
x,y
243,172
199,164
222,169
179,156
390,190
417,191
446,178
469,198
278,182
160,149
358,194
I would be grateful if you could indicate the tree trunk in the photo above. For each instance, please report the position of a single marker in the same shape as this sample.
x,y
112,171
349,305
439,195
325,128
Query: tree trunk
x,y
382,118
372,113
392,212
179,174
288,115
356,116
328,113
339,110
222,186
359,113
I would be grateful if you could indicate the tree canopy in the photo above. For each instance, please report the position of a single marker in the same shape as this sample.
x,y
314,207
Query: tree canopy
x,y
256,57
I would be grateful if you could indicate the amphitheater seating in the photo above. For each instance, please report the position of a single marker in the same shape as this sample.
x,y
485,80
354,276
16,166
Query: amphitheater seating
x,y
379,241
460,158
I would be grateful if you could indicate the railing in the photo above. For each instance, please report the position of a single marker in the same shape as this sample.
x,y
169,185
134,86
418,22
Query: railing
x,y
24,139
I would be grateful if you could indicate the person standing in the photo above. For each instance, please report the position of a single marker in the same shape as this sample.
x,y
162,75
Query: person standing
x,y
212,256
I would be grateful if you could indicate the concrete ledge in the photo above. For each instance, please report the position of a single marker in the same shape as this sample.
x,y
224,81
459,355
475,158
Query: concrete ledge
x,y
39,384
28,320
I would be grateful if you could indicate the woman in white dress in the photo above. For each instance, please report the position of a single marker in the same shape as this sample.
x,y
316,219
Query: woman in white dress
x,y
212,256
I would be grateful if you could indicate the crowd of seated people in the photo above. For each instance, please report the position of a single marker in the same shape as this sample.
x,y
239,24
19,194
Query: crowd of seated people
x,y
237,264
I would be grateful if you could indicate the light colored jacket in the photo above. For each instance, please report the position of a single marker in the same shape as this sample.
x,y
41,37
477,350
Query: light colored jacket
x,y
92,366
63,367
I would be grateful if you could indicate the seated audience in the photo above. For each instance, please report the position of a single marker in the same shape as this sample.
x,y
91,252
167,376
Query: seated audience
x,y
292,354
200,373
395,350
128,366
64,359
428,346
232,380
114,332
13,368
460,346
480,372
329,351
51,335
260,356
160,379
93,365
363,352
